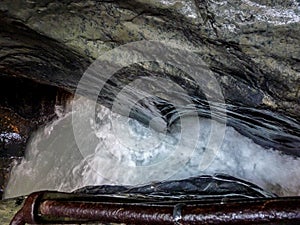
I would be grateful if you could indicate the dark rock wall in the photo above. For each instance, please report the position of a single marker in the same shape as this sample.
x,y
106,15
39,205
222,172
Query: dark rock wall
x,y
24,106
252,46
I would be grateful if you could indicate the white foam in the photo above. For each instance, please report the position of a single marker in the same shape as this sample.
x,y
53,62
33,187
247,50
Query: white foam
x,y
7,136
141,155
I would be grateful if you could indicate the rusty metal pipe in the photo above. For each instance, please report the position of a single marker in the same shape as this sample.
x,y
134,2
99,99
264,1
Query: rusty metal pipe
x,y
41,208
18,218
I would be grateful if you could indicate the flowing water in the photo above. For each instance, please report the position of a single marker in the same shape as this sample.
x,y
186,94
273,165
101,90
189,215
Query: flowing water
x,y
121,150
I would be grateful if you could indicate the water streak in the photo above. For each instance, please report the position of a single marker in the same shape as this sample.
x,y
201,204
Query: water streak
x,y
54,162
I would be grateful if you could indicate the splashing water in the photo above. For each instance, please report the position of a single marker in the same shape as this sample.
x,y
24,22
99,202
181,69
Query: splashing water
x,y
54,162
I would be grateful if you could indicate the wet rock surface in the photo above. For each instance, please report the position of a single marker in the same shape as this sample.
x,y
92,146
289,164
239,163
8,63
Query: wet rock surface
x,y
216,188
14,133
201,187
24,106
252,46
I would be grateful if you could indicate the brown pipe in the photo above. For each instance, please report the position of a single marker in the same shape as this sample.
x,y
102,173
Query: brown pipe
x,y
28,212
41,208
18,218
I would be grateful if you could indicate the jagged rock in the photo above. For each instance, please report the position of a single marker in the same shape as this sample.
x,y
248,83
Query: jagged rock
x,y
252,46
